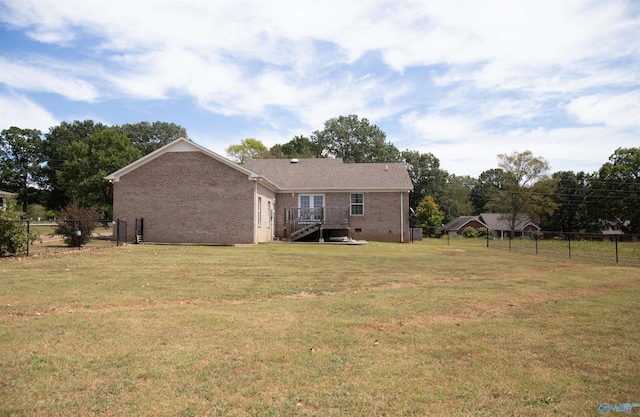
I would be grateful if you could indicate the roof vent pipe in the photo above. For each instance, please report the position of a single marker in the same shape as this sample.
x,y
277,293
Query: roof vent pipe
x,y
294,161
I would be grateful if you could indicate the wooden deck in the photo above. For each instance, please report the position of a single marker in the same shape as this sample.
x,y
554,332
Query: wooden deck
x,y
301,222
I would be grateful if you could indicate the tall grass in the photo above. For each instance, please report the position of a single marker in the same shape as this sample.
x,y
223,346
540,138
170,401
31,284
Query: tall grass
x,y
314,330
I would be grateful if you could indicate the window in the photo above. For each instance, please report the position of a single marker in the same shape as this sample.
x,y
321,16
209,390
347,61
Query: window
x,y
310,206
259,211
357,204
305,201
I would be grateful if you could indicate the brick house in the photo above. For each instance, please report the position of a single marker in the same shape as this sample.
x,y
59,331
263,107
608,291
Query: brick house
x,y
185,193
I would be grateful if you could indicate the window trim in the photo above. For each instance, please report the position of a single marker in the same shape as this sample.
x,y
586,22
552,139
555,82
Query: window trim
x,y
311,200
356,204
259,211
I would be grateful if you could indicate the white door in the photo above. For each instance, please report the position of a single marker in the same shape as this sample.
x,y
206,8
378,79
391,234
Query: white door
x,y
310,204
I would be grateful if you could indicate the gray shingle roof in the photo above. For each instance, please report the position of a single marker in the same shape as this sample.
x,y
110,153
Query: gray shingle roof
x,y
332,175
497,221
457,223
494,221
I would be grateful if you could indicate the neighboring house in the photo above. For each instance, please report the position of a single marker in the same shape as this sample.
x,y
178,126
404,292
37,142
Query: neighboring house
x,y
498,223
4,197
614,227
185,193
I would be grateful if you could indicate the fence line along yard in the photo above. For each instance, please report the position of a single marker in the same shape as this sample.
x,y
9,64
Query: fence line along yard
x,y
623,249
105,233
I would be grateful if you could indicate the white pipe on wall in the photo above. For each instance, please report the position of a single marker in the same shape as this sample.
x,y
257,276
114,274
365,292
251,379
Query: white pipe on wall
x,y
401,218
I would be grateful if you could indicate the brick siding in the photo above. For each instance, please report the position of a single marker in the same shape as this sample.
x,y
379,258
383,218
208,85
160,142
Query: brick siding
x,y
381,220
187,197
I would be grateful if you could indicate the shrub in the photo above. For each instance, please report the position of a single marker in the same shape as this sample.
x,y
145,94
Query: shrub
x,y
14,238
36,212
77,219
470,232
537,235
429,216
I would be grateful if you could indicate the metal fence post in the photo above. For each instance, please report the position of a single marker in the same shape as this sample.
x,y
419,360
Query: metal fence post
x,y
28,237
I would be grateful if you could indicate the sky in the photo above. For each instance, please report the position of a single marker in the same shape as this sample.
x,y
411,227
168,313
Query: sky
x,y
465,80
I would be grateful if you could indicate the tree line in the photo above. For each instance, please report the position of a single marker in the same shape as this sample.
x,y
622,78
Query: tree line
x,y
69,162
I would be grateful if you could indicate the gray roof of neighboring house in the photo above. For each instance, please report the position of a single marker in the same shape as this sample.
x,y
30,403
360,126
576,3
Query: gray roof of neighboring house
x,y
458,223
498,221
332,174
494,221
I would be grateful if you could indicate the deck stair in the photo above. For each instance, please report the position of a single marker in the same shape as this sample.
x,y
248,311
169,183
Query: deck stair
x,y
305,231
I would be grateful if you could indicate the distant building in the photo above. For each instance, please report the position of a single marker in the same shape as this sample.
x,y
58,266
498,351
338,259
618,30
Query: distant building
x,y
499,224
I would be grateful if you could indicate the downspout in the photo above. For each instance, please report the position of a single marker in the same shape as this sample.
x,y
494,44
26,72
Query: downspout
x,y
401,218
255,212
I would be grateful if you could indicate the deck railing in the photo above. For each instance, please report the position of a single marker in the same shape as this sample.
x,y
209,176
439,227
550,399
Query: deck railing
x,y
333,217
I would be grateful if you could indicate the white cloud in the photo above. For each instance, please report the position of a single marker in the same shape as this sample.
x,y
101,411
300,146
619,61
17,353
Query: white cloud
x,y
615,110
463,77
440,128
45,77
17,110
464,147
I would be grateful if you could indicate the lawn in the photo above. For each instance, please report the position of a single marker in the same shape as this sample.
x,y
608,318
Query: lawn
x,y
420,329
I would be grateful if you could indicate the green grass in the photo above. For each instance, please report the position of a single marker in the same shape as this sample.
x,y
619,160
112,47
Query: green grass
x,y
316,330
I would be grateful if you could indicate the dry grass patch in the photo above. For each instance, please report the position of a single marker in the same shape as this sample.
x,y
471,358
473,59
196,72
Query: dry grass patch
x,y
315,330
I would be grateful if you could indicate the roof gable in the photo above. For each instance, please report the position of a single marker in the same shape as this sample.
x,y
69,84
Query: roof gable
x,y
332,174
498,221
462,221
178,145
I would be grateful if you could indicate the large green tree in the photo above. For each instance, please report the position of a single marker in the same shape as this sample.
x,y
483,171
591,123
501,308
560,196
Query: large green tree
x,y
298,147
455,200
569,196
147,137
615,189
516,197
56,150
248,148
82,176
485,190
20,159
426,175
354,140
